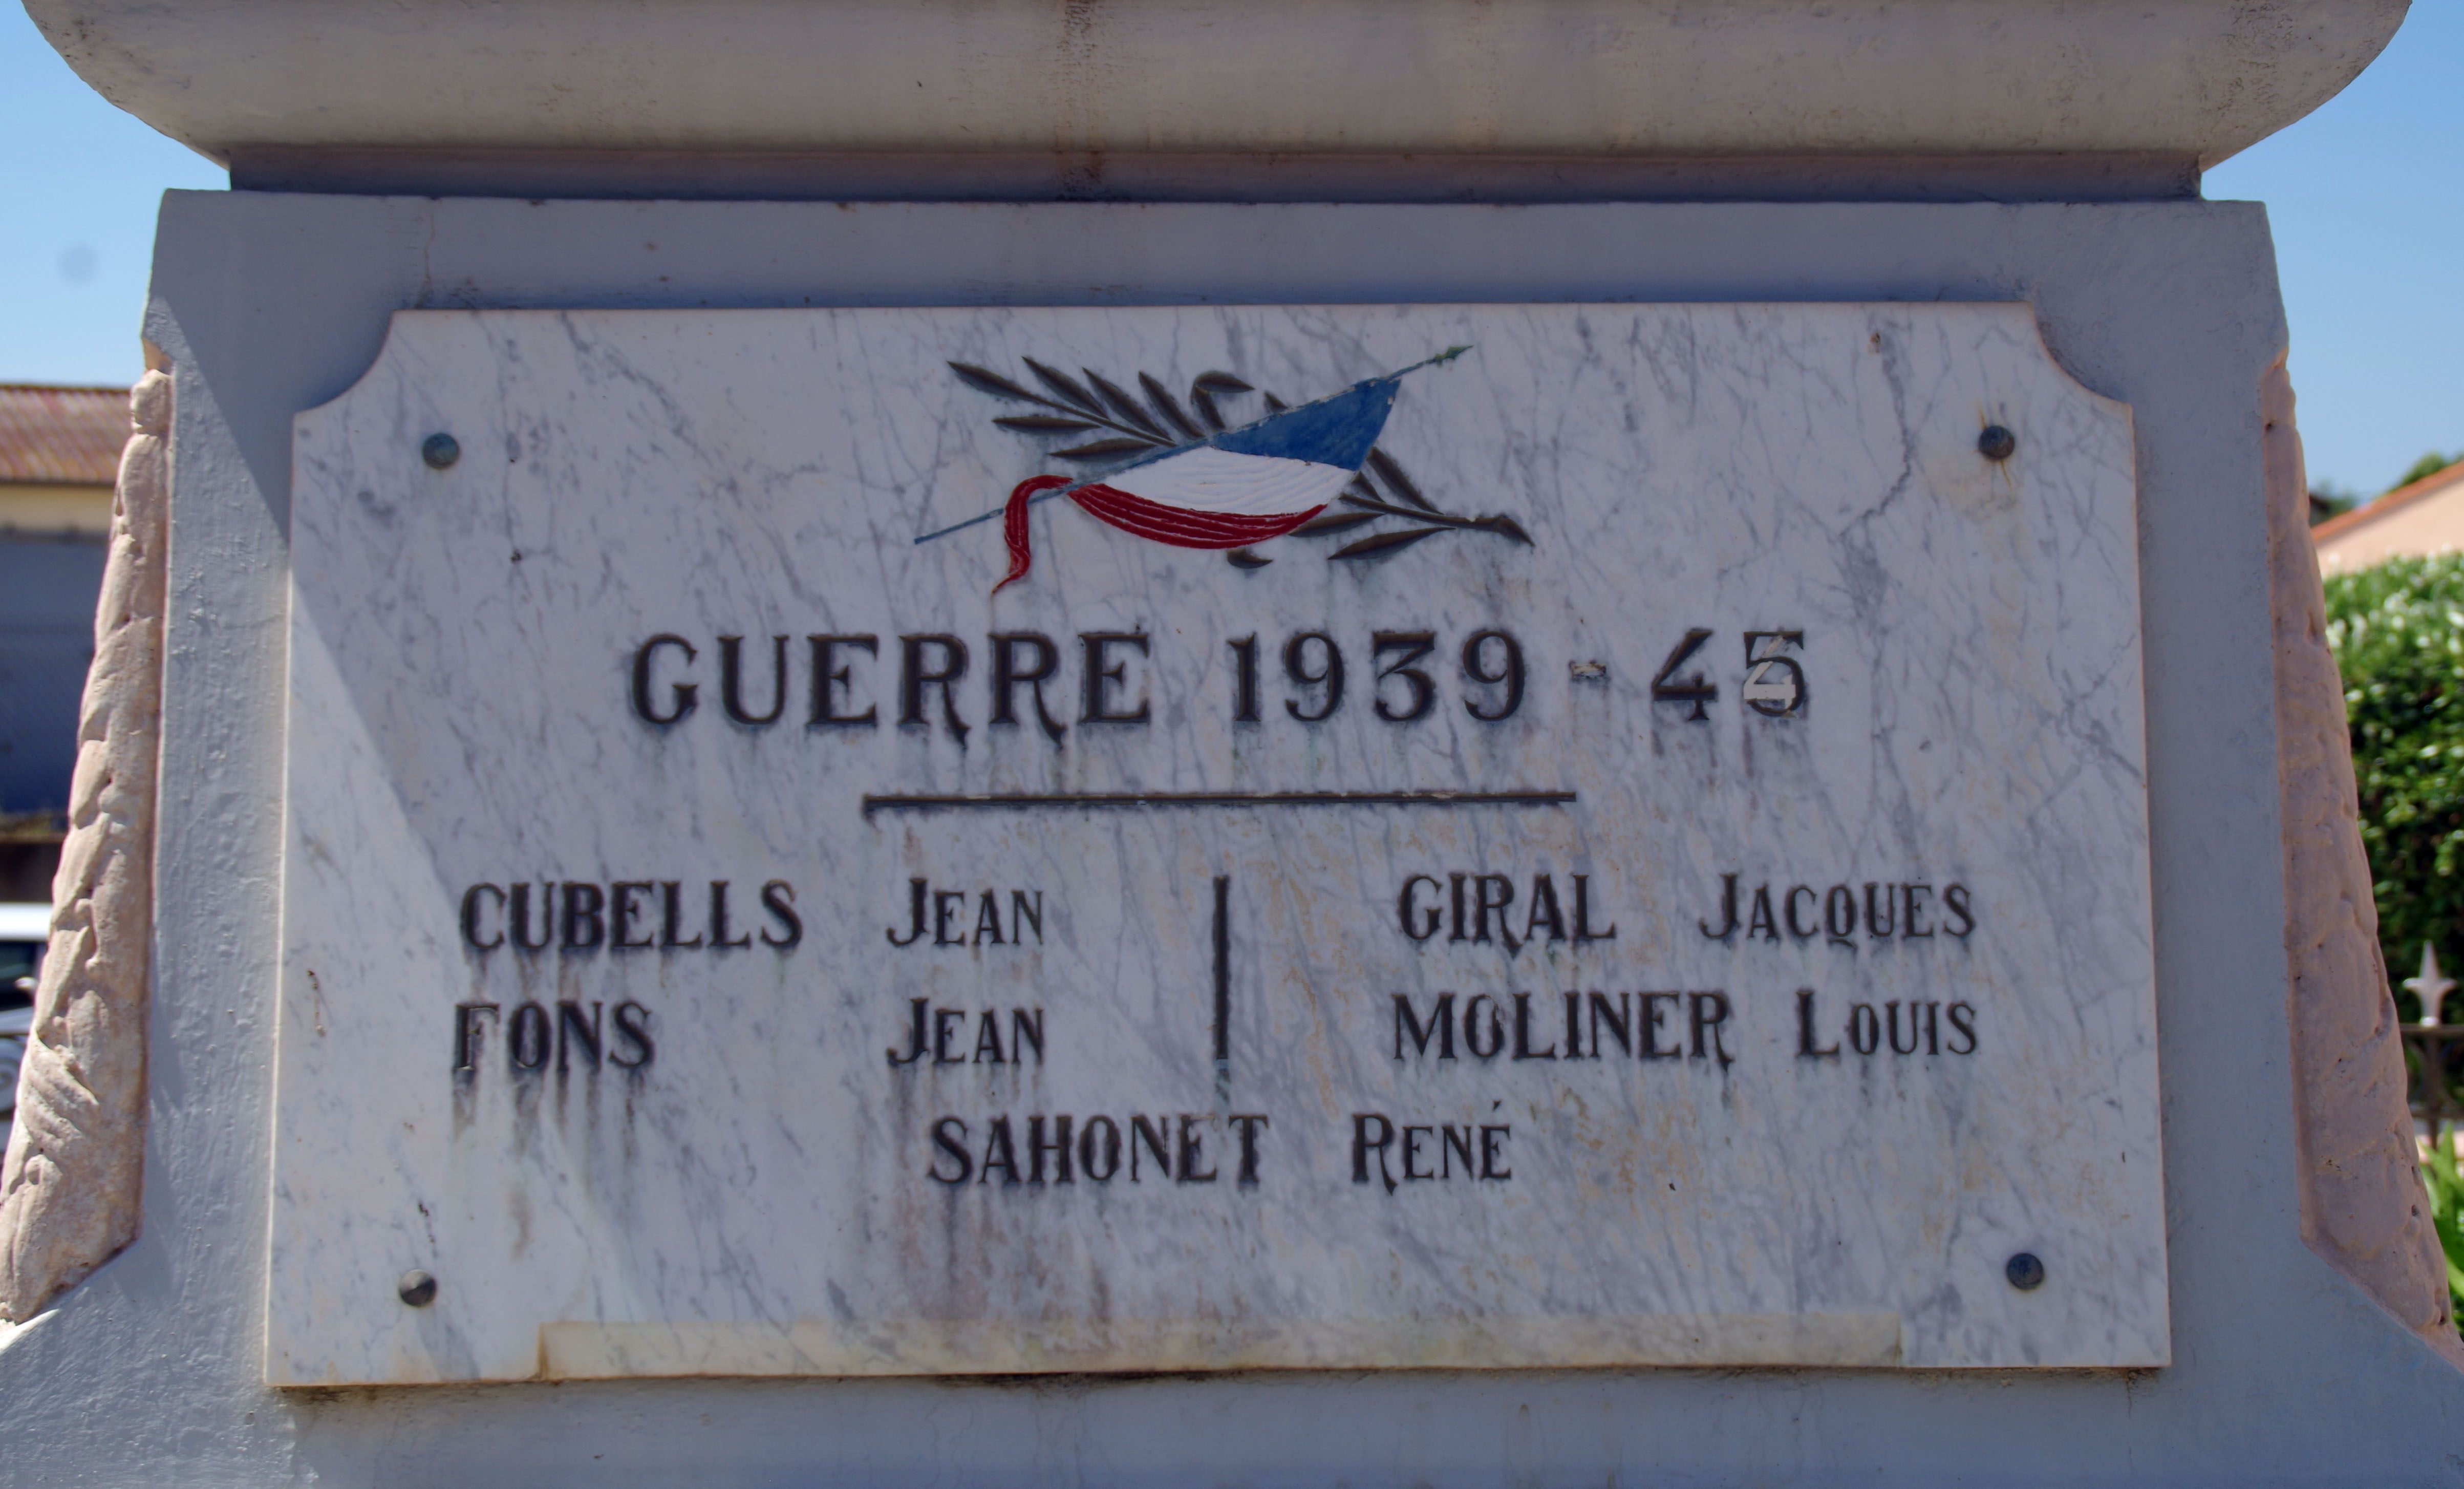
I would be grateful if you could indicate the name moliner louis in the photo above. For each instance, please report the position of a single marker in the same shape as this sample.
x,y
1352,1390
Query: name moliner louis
x,y
948,686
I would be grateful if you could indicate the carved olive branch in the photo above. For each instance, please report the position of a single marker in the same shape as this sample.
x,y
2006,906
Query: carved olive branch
x,y
1127,428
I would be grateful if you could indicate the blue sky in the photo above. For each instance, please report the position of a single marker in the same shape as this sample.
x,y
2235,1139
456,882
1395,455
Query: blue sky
x,y
2366,197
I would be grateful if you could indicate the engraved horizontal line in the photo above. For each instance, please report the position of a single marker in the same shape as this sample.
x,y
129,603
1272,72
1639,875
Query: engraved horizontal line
x,y
1031,801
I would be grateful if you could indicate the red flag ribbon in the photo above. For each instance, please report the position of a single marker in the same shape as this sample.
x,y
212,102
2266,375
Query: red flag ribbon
x,y
1013,524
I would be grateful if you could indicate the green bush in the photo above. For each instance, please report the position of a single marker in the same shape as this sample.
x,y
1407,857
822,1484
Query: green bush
x,y
2398,635
2446,1188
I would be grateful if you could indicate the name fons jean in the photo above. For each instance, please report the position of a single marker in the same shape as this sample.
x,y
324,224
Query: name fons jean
x,y
929,688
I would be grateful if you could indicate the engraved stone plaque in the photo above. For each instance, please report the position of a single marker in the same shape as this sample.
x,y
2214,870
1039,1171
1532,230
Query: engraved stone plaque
x,y
899,841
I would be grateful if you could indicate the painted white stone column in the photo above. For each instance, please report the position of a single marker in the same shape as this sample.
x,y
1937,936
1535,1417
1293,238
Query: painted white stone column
x,y
69,1191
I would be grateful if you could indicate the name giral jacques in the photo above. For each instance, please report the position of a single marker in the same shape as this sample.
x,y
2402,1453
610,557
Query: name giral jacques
x,y
909,841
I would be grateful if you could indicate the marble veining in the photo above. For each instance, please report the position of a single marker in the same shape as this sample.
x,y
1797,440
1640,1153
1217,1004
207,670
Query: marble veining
x,y
722,1164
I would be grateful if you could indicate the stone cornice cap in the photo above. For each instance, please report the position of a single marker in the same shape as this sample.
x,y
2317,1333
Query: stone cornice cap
x,y
2190,80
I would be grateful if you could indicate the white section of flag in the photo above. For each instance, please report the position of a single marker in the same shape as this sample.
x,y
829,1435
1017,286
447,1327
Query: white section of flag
x,y
1208,480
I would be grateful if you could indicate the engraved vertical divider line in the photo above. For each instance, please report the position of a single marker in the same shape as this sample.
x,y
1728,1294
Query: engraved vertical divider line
x,y
1223,986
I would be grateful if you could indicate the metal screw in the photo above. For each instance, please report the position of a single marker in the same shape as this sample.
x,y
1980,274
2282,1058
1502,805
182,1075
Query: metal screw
x,y
440,451
2026,1272
1995,444
418,1289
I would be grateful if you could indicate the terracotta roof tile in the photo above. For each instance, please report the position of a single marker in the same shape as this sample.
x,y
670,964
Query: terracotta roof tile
x,y
69,435
2394,501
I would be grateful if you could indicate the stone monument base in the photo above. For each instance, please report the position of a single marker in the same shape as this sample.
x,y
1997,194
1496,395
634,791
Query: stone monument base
x,y
2302,1347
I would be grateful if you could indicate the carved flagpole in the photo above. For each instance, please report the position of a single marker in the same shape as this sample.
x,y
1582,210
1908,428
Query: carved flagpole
x,y
69,1185
2362,1200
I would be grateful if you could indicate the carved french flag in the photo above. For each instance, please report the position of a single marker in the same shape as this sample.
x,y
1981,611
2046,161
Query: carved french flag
x,y
1239,487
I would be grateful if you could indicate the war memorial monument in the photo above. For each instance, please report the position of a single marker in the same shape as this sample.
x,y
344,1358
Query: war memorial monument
x,y
1150,742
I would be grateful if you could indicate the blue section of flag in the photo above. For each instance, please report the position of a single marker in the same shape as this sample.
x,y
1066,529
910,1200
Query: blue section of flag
x,y
1337,431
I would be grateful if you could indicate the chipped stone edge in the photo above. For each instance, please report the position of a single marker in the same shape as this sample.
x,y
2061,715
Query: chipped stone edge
x,y
2364,1209
71,1182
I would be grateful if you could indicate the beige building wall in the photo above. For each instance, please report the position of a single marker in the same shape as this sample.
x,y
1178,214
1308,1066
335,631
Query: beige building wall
x,y
2411,521
28,508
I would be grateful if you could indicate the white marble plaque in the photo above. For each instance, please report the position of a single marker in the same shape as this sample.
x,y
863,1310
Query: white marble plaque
x,y
1651,871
